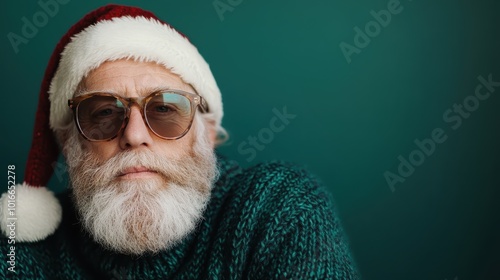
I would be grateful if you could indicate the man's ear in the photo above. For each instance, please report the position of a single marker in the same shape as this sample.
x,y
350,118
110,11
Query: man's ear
x,y
212,133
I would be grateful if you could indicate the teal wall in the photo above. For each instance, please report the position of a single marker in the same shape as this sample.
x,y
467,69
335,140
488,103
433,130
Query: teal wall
x,y
352,120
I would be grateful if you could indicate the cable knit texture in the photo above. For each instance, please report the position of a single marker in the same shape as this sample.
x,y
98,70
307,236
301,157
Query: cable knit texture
x,y
270,221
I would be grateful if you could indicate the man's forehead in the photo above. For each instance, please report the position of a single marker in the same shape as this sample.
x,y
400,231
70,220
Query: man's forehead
x,y
127,76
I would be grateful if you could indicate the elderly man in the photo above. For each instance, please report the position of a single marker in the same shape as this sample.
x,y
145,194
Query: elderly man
x,y
137,114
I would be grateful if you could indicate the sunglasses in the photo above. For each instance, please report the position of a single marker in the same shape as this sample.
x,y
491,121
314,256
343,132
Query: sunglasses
x,y
169,114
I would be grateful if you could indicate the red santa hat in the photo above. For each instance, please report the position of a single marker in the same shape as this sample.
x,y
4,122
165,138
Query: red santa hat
x,y
108,33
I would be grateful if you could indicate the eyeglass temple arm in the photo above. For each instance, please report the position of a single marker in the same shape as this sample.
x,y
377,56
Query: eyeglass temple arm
x,y
204,105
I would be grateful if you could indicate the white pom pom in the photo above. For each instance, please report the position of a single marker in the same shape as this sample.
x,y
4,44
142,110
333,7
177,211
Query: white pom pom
x,y
29,213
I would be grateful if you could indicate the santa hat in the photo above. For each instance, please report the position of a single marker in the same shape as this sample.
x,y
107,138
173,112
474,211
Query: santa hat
x,y
109,33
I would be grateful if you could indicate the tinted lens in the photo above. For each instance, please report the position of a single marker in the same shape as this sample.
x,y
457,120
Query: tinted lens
x,y
169,114
100,117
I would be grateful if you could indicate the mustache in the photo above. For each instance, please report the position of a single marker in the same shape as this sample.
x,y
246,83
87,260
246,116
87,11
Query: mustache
x,y
172,170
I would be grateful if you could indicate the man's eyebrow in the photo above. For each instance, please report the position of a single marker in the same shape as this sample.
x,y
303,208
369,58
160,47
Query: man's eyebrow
x,y
143,91
150,90
84,91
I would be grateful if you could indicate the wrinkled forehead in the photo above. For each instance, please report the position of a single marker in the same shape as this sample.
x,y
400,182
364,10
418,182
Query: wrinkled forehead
x,y
131,78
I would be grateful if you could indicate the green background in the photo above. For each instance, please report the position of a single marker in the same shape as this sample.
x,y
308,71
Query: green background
x,y
352,120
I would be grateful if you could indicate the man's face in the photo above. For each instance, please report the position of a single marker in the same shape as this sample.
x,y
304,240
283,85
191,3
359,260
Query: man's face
x,y
137,192
133,79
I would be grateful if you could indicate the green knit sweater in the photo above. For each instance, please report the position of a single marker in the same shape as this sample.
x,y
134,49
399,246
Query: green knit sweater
x,y
271,221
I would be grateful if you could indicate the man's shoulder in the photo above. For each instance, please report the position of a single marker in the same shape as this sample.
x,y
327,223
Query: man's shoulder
x,y
282,173
277,177
276,186
278,218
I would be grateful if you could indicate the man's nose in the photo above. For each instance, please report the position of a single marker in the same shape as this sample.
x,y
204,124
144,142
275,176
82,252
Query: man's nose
x,y
136,133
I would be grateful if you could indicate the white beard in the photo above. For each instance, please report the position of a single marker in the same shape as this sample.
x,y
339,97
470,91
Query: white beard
x,y
141,215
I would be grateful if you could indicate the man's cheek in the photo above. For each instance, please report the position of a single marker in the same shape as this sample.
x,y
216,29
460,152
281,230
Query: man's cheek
x,y
103,151
177,149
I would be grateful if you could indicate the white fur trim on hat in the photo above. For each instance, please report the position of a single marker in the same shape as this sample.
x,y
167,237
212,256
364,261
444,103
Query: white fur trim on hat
x,y
135,38
28,213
